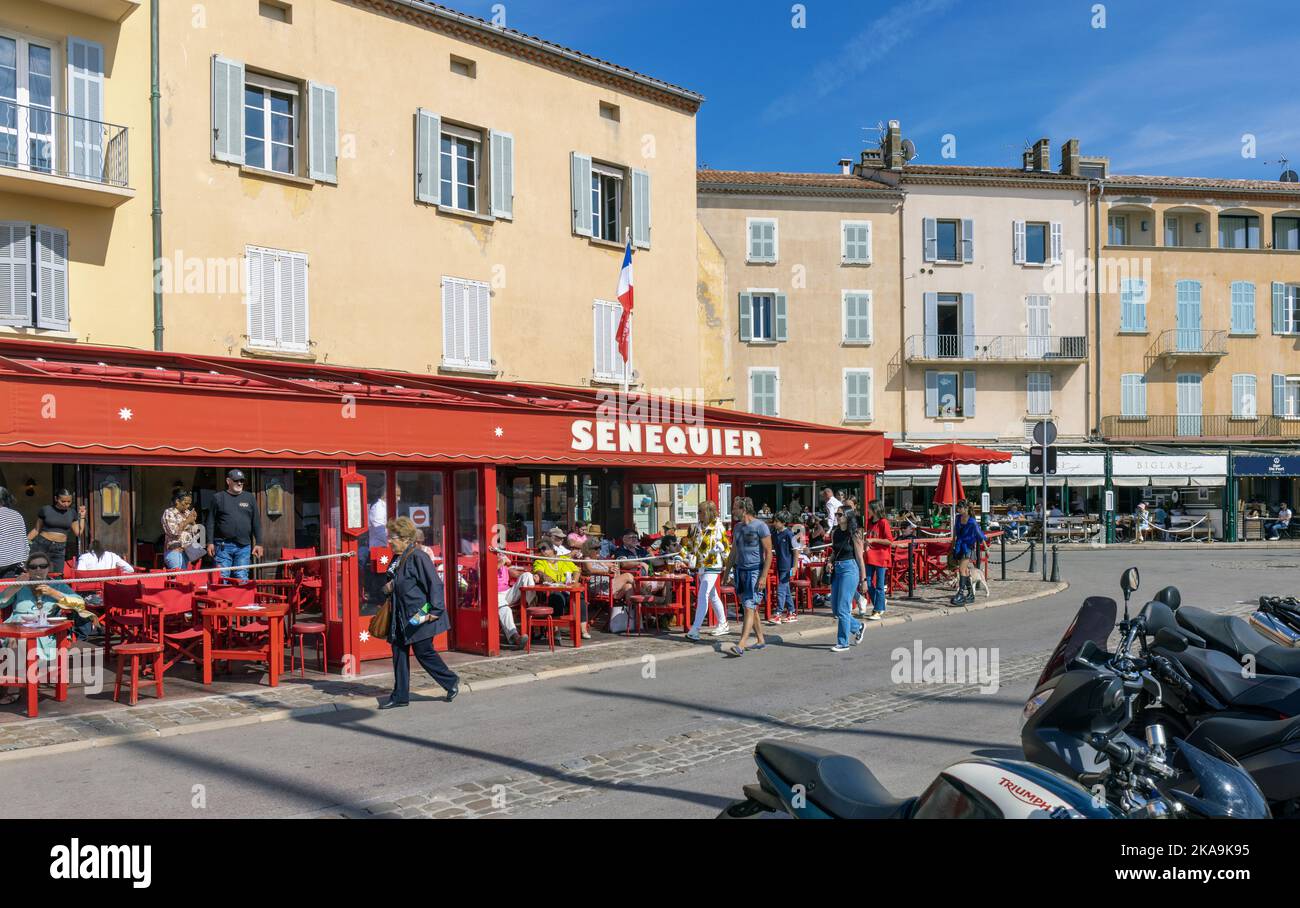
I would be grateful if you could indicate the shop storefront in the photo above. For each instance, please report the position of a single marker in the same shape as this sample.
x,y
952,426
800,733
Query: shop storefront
x,y
334,453
1190,490
1263,483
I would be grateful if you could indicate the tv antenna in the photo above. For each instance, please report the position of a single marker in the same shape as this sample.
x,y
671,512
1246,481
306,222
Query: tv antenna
x,y
1288,175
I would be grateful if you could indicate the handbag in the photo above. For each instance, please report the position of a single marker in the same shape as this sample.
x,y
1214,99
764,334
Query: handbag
x,y
381,620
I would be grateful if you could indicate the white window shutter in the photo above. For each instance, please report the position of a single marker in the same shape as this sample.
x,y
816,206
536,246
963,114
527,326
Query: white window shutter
x,y
451,327
1018,242
746,317
86,107
1056,242
641,209
227,110
482,301
428,156
15,273
323,138
968,393
755,241
779,318
968,241
292,300
261,296
51,278
931,237
580,191
1279,308
503,175
866,228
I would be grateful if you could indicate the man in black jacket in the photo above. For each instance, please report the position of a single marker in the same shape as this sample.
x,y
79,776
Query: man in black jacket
x,y
233,528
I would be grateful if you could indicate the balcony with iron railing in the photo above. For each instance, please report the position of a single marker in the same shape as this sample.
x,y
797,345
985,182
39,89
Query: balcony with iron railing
x,y
996,348
1189,342
56,155
1212,427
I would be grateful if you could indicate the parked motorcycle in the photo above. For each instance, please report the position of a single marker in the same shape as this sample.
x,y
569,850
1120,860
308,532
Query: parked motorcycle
x,y
1236,637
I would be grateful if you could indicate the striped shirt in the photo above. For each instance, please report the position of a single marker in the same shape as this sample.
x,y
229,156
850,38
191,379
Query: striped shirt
x,y
13,538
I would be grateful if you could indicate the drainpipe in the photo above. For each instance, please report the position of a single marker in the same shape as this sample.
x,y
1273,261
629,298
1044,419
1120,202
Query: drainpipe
x,y
1096,299
155,151
1230,505
902,313
1087,360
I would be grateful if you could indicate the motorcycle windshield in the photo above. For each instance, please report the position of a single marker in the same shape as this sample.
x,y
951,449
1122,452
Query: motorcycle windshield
x,y
1093,622
1224,789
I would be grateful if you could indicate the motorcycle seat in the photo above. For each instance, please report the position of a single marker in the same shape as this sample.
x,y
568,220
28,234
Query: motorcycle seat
x,y
1238,638
1240,737
841,785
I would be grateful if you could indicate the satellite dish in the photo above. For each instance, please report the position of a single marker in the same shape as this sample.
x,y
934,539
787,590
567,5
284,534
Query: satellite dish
x,y
909,149
1289,176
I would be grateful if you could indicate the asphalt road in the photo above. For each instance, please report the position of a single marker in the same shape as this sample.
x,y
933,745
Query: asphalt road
x,y
540,732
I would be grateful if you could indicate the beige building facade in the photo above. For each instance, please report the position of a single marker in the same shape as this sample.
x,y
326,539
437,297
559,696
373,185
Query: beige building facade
x,y
74,171
799,284
413,188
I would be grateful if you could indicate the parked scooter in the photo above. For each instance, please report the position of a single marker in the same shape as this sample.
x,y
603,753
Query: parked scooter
x,y
1236,637
1085,686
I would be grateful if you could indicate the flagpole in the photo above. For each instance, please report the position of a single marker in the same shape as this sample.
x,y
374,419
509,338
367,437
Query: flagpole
x,y
627,238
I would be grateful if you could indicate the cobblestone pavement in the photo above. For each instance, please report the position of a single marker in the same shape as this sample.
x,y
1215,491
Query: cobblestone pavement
x,y
294,697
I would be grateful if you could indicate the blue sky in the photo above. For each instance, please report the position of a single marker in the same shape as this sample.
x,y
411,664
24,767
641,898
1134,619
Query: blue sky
x,y
1164,88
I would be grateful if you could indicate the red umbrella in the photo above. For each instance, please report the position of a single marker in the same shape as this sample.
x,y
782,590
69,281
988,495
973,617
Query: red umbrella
x,y
950,491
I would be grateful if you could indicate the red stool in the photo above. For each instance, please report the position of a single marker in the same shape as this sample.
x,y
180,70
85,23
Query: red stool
x,y
542,615
136,651
632,604
729,592
802,592
298,644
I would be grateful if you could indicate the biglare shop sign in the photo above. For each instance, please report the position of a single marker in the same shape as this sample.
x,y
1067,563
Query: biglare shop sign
x,y
611,437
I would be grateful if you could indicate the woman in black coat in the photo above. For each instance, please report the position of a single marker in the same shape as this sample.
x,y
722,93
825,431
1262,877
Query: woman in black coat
x,y
416,594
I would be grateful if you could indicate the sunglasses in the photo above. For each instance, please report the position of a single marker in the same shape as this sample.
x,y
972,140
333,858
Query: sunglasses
x,y
38,566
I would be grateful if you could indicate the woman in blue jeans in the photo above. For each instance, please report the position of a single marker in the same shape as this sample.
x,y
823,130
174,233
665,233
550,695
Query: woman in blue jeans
x,y
846,580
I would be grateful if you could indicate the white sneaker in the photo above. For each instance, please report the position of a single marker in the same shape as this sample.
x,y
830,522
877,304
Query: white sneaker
x,y
721,630
857,638
839,649
875,616
692,635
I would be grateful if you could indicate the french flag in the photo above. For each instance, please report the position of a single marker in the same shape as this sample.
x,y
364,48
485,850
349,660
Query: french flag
x,y
625,298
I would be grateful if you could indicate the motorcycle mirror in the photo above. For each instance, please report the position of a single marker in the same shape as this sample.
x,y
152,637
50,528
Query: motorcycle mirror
x,y
1170,640
1129,581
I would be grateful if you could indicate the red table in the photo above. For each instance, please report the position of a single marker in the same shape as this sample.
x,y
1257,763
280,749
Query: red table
x,y
272,652
576,591
681,584
58,628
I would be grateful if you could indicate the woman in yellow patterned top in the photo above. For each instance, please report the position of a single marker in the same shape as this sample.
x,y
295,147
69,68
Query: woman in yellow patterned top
x,y
706,550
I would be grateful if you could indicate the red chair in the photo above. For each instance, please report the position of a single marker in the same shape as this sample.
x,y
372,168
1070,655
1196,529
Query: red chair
x,y
90,589
306,577
135,652
185,639
123,614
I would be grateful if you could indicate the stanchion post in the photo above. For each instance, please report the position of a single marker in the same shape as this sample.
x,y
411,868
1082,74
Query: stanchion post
x,y
1003,540
1056,565
1033,565
911,565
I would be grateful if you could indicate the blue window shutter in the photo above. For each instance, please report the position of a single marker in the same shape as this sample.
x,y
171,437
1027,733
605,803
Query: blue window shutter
x,y
51,278
227,110
1279,394
323,134
1140,305
968,393
1018,242
968,241
931,393
931,240
780,317
746,317
1243,307
580,191
1127,316
931,326
1126,395
968,325
641,209
15,273
428,156
502,152
1279,321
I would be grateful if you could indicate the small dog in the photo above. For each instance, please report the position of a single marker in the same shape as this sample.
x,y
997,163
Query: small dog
x,y
977,581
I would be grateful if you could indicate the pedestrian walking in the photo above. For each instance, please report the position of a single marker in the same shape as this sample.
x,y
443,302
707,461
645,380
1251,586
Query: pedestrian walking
x,y
707,550
14,546
966,539
846,580
55,524
234,531
783,553
880,552
418,613
749,563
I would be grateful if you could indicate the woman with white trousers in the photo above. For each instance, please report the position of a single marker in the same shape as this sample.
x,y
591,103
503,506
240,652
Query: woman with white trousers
x,y
706,550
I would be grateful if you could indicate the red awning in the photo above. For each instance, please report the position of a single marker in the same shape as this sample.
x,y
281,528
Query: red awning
x,y
74,401
938,455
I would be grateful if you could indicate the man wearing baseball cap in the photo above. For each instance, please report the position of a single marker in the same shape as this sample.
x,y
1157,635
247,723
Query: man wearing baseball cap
x,y
233,527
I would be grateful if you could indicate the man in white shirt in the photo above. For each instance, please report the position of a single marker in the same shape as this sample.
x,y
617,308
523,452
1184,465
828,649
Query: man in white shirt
x,y
1283,522
98,559
830,505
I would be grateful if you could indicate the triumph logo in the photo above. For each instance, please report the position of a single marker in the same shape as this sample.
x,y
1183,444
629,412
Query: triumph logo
x,y
75,861
1020,793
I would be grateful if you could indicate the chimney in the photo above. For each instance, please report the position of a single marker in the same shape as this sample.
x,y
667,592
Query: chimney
x,y
846,166
1043,155
1070,158
893,147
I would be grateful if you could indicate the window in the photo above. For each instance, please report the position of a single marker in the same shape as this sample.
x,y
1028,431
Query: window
x,y
764,396
949,322
857,316
1040,393
1243,307
1286,233
1173,230
1244,403
610,111
855,242
463,66
948,234
275,11
1291,397
606,203
27,93
1117,230
857,395
1286,308
949,394
1036,242
459,170
609,365
762,240
949,240
466,324
1133,395
1133,305
1036,235
277,299
1238,231
270,124
33,276
762,316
